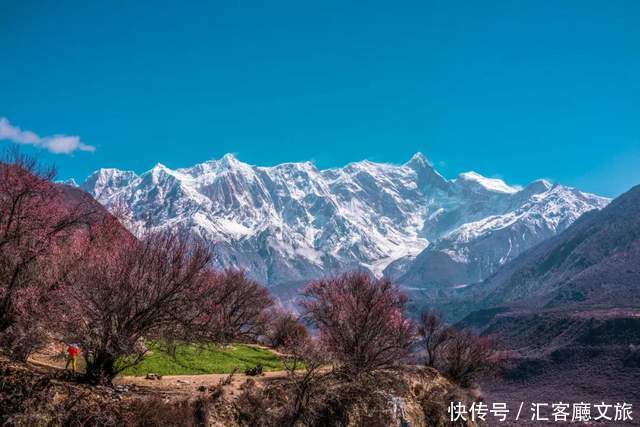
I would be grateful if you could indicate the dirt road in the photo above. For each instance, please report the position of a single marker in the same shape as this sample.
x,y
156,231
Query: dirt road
x,y
169,384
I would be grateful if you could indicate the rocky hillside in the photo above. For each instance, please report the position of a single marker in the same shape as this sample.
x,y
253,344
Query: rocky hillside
x,y
569,310
34,395
595,263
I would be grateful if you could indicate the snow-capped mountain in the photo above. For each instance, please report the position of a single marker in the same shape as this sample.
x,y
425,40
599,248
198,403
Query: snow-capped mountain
x,y
293,222
473,251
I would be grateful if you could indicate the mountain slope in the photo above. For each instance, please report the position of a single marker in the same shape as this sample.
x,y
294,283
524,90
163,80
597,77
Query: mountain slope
x,y
293,222
475,250
595,262
569,308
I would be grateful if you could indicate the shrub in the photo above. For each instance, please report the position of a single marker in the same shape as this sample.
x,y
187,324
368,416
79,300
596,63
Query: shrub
x,y
306,382
467,357
462,356
22,339
434,334
37,223
284,329
255,406
125,291
229,307
360,321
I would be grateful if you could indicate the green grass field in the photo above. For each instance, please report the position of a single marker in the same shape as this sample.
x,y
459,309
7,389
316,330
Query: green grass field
x,y
193,360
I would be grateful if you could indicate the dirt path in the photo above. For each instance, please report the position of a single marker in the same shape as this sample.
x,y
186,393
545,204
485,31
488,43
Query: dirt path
x,y
189,384
170,384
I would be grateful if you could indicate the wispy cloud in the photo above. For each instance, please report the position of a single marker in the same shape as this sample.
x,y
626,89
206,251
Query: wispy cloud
x,y
58,144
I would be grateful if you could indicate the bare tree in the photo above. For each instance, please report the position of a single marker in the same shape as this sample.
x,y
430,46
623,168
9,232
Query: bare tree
x,y
467,357
229,307
37,221
127,290
284,329
306,383
360,321
434,334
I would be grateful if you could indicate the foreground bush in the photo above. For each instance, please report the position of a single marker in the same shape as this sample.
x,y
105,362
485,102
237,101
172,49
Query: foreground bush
x,y
407,396
434,334
360,320
229,307
284,329
125,291
30,397
37,223
460,355
468,357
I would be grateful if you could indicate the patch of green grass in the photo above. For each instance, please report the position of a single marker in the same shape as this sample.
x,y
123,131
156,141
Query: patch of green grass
x,y
195,359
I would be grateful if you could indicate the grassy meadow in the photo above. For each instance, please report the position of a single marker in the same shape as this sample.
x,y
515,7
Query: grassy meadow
x,y
193,359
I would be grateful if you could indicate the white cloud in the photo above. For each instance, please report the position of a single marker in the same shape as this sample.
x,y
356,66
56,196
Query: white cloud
x,y
58,144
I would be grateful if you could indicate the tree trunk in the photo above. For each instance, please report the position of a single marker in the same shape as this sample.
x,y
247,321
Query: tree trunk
x,y
101,368
6,318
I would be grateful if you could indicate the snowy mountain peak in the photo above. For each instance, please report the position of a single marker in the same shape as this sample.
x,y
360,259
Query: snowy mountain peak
x,y
70,182
293,222
427,177
419,160
106,181
160,168
543,183
230,160
491,184
107,173
539,185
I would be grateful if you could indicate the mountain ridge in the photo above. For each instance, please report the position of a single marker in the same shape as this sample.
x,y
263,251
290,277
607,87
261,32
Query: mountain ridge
x,y
295,222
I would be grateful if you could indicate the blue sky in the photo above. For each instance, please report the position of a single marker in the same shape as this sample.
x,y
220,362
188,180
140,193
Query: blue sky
x,y
511,89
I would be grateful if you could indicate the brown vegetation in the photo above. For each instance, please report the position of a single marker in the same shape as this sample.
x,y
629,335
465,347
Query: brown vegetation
x,y
228,307
434,333
125,291
360,320
284,329
460,355
36,224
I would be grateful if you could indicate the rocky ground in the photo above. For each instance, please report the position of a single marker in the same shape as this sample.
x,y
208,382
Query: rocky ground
x,y
34,394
